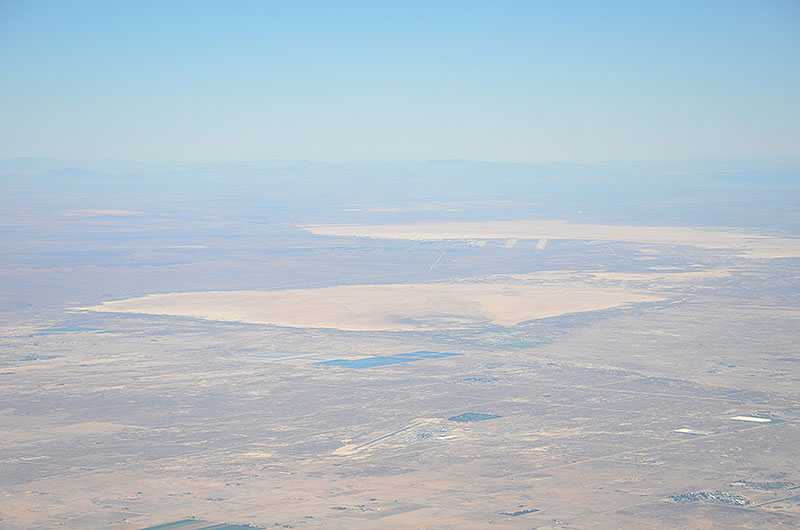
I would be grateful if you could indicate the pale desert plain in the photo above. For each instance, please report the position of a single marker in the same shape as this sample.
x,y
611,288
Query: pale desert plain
x,y
248,372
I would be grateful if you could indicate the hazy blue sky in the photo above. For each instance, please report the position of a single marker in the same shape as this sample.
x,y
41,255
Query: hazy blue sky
x,y
353,81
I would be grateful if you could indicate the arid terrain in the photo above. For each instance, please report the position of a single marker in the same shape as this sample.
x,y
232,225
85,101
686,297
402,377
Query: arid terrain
x,y
748,243
192,364
405,307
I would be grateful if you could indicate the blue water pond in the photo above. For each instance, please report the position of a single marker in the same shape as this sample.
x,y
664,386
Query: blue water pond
x,y
384,360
